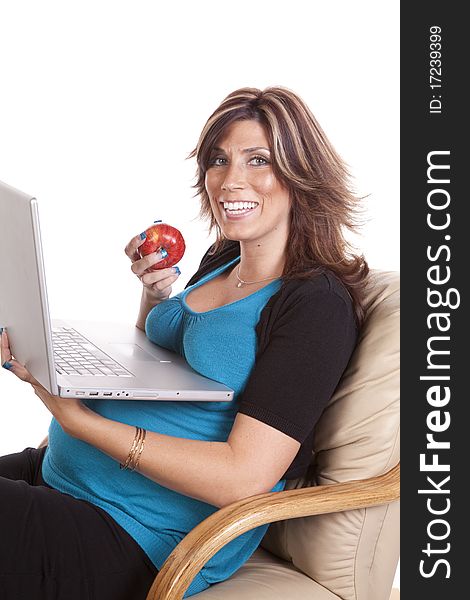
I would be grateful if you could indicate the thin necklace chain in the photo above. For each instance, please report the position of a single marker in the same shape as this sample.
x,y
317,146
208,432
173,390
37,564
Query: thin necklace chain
x,y
243,282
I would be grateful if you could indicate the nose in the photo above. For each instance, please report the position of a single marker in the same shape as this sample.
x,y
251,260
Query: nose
x,y
234,178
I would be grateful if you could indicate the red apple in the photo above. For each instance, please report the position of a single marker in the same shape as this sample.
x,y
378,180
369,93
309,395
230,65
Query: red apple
x,y
160,235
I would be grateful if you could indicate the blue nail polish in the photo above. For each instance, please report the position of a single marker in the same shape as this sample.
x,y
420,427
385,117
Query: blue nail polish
x,y
7,365
176,270
163,252
143,235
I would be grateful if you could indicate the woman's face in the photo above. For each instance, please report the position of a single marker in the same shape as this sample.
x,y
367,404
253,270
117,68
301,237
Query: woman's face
x,y
247,200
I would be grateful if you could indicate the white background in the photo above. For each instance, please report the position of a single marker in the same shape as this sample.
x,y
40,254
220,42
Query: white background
x,y
101,102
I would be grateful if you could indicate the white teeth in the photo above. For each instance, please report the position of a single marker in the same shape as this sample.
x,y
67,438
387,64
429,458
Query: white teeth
x,y
239,205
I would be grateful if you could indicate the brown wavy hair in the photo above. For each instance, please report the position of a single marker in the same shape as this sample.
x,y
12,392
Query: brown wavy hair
x,y
323,205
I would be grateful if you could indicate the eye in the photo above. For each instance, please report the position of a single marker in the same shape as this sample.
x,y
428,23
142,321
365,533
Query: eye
x,y
217,161
258,161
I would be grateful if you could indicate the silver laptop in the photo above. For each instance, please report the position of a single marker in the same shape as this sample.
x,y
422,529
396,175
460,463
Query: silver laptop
x,y
79,358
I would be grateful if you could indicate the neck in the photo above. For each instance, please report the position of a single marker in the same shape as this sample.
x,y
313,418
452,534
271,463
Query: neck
x,y
258,260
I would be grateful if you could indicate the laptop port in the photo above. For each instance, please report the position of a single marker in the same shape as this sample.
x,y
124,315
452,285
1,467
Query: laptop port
x,y
107,393
93,393
79,393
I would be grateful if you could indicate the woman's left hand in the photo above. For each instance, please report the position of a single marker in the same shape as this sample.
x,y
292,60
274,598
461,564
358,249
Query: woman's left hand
x,y
59,407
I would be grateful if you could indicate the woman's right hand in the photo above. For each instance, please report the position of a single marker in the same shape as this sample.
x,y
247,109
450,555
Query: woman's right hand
x,y
157,284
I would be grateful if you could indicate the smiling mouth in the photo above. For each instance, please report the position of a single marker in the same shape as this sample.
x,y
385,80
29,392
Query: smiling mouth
x,y
238,208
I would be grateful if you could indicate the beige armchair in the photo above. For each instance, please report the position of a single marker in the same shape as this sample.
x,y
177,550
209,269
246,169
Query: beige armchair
x,y
334,533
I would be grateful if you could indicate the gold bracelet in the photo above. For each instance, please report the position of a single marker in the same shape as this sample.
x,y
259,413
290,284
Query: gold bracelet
x,y
134,447
141,448
134,452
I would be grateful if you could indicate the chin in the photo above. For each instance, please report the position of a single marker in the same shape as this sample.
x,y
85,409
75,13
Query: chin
x,y
237,236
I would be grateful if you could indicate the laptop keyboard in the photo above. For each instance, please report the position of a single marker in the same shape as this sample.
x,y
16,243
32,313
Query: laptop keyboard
x,y
75,355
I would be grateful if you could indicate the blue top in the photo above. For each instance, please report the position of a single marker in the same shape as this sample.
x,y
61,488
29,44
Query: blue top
x,y
220,344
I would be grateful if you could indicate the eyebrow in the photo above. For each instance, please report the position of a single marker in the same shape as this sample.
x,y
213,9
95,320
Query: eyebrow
x,y
246,150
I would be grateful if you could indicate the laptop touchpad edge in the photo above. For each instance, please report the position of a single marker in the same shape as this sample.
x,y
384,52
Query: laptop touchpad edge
x,y
132,351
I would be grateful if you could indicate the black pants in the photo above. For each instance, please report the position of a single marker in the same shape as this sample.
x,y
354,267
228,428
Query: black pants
x,y
55,547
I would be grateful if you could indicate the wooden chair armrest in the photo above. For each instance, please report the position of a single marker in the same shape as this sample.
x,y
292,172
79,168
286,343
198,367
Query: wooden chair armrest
x,y
200,544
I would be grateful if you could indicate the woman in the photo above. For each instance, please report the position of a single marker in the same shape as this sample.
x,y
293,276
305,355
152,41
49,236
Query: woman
x,y
273,312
